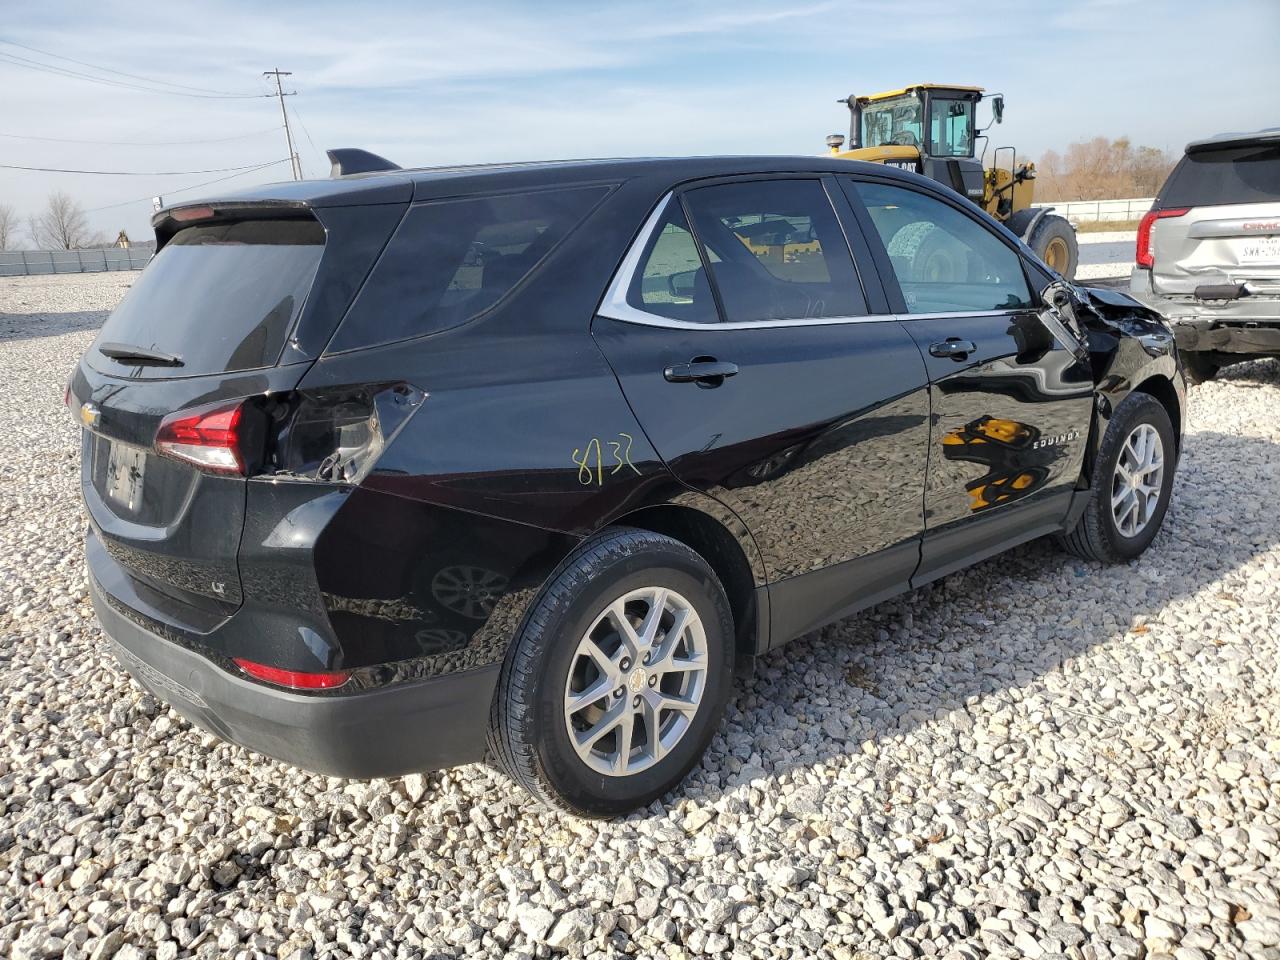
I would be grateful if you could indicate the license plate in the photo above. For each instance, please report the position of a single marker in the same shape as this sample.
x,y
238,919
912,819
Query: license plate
x,y
1260,250
125,468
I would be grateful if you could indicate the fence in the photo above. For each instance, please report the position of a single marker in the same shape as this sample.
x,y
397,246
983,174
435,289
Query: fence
x,y
1078,211
18,263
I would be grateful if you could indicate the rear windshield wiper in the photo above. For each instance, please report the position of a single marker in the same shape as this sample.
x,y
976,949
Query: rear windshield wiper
x,y
141,356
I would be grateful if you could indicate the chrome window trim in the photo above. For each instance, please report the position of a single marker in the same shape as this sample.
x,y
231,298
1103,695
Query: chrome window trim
x,y
614,306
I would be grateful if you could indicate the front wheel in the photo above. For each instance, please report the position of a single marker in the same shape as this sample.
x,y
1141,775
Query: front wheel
x,y
1054,241
619,676
1131,484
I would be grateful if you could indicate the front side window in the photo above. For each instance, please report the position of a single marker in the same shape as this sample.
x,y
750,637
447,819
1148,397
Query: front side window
x,y
944,261
950,128
776,250
895,122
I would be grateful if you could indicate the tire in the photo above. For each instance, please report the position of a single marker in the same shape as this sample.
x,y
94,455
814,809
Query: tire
x,y
1098,534
1198,367
529,731
1054,231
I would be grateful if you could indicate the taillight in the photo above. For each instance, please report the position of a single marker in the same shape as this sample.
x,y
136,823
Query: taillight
x,y
336,436
294,679
333,436
1143,256
209,437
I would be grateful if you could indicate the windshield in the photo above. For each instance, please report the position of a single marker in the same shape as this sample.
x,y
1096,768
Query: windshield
x,y
219,297
895,122
950,127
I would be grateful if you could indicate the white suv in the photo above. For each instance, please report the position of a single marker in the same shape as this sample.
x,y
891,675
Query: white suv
x,y
1208,254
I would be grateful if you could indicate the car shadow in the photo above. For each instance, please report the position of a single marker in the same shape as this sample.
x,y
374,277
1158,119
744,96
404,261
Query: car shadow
x,y
33,326
998,627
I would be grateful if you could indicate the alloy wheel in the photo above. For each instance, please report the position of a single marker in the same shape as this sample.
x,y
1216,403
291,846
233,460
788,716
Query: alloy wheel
x,y
1138,480
636,681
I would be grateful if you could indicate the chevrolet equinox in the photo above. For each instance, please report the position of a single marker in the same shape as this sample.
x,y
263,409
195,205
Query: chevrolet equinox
x,y
405,469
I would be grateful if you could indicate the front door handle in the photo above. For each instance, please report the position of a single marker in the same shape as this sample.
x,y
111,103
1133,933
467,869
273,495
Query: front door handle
x,y
952,347
703,372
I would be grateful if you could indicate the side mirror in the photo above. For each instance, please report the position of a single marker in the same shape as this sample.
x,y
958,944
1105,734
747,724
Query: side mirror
x,y
682,285
997,108
1061,318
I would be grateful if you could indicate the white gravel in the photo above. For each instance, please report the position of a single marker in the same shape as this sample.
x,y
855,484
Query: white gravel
x,y
1037,758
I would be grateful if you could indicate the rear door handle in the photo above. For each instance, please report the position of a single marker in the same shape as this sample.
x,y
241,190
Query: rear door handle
x,y
952,347
705,373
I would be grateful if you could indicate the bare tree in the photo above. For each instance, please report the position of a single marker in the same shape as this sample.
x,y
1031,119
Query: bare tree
x,y
8,226
62,225
1101,169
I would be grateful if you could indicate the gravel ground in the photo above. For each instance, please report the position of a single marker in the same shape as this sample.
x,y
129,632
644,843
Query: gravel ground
x,y
1035,758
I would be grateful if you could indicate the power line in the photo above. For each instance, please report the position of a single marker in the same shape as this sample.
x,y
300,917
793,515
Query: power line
x,y
139,143
14,60
303,125
119,73
194,186
128,173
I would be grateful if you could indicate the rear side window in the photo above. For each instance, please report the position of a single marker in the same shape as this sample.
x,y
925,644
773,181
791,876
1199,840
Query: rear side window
x,y
221,297
671,281
776,250
1236,175
453,259
944,261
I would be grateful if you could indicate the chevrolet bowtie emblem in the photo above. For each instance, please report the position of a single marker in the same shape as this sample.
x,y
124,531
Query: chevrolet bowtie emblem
x,y
90,414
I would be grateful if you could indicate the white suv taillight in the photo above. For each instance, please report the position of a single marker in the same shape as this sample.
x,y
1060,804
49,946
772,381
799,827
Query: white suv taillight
x,y
1143,256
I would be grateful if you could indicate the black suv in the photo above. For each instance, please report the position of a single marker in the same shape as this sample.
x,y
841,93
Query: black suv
x,y
415,468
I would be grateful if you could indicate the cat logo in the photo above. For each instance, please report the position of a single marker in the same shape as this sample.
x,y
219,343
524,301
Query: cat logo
x,y
90,414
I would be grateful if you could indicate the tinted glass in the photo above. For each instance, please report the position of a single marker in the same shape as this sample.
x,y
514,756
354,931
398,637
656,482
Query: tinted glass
x,y
223,297
453,259
950,128
1237,175
944,260
671,281
776,250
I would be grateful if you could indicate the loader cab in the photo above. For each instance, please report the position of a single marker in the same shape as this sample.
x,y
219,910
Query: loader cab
x,y
926,128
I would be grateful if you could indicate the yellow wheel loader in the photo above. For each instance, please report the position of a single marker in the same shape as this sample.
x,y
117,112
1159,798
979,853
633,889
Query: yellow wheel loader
x,y
930,128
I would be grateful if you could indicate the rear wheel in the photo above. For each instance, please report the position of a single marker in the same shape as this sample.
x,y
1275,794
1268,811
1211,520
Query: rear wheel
x,y
1054,241
1199,367
1131,485
619,676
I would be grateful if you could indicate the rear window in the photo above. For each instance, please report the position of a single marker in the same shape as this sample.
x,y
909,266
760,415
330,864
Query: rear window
x,y
453,259
220,297
1234,175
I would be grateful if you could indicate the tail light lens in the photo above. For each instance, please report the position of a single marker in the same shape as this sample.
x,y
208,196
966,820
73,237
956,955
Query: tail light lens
x,y
294,679
1143,256
209,437
332,436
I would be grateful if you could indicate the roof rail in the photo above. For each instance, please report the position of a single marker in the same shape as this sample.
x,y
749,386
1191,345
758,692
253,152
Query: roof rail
x,y
348,160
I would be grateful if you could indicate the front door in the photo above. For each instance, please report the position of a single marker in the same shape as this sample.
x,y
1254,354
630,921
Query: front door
x,y
1011,401
740,331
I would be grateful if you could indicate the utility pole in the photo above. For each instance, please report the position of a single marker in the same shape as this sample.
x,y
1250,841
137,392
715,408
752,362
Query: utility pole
x,y
294,164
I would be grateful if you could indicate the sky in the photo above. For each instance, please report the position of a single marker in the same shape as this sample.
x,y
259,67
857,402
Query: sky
x,y
426,83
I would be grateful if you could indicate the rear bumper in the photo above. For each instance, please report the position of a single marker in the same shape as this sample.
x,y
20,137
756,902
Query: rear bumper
x,y
390,731
1247,326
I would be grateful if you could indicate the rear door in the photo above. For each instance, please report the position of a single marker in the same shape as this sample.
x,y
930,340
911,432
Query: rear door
x,y
767,374
208,321
1011,401
1217,222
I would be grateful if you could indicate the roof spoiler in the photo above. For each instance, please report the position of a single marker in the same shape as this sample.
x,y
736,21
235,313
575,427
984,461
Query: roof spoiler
x,y
348,160
1225,141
